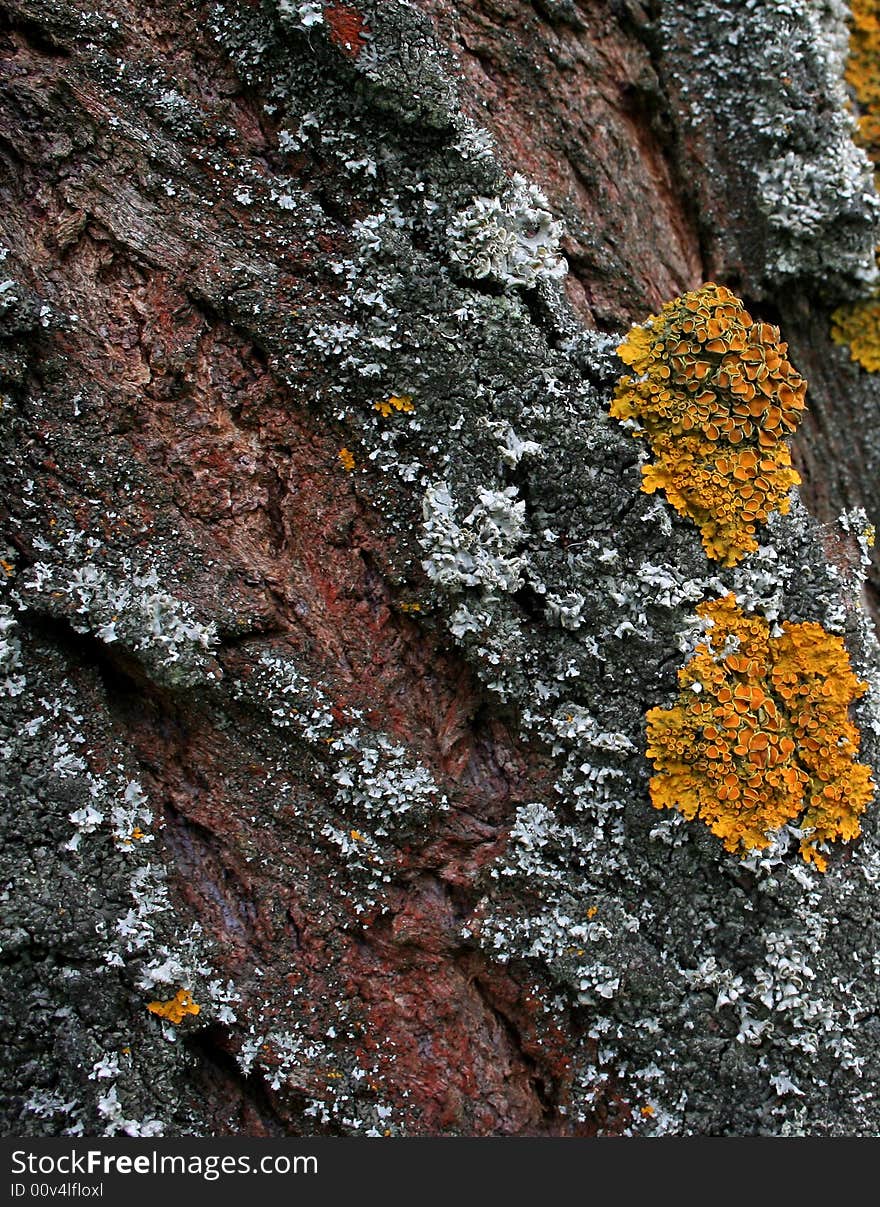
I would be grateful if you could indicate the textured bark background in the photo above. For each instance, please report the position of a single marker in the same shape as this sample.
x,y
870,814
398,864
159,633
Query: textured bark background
x,y
351,747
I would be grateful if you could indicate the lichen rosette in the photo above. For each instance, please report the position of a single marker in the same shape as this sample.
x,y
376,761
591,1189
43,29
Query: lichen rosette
x,y
760,736
715,396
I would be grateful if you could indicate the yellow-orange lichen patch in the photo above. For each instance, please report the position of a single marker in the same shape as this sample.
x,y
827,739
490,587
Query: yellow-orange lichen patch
x,y
397,402
858,325
863,72
346,460
176,1008
760,736
714,395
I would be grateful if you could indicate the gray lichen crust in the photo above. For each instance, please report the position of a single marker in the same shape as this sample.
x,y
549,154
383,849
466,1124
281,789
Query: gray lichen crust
x,y
762,102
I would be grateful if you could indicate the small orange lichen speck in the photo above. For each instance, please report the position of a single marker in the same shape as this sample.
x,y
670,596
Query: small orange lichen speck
x,y
397,402
347,460
176,1008
135,836
715,397
760,735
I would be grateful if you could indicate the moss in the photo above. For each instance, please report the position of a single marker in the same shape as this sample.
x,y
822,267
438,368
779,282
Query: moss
x,y
760,736
715,396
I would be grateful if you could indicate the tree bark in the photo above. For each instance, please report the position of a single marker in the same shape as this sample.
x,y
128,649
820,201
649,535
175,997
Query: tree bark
x,y
333,609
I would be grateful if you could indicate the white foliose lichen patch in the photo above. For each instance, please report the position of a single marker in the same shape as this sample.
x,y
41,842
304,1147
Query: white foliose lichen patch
x,y
380,792
120,602
12,682
301,14
803,196
855,523
482,549
378,781
511,240
337,1089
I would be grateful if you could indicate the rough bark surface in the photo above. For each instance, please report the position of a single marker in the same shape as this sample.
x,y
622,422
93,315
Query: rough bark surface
x,y
332,713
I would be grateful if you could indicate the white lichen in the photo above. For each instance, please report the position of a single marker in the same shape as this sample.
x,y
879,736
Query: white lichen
x,y
512,240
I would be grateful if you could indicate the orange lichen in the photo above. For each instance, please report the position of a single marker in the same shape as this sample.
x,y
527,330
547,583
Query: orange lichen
x,y
176,1008
760,736
858,325
715,397
346,459
863,72
136,835
397,402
